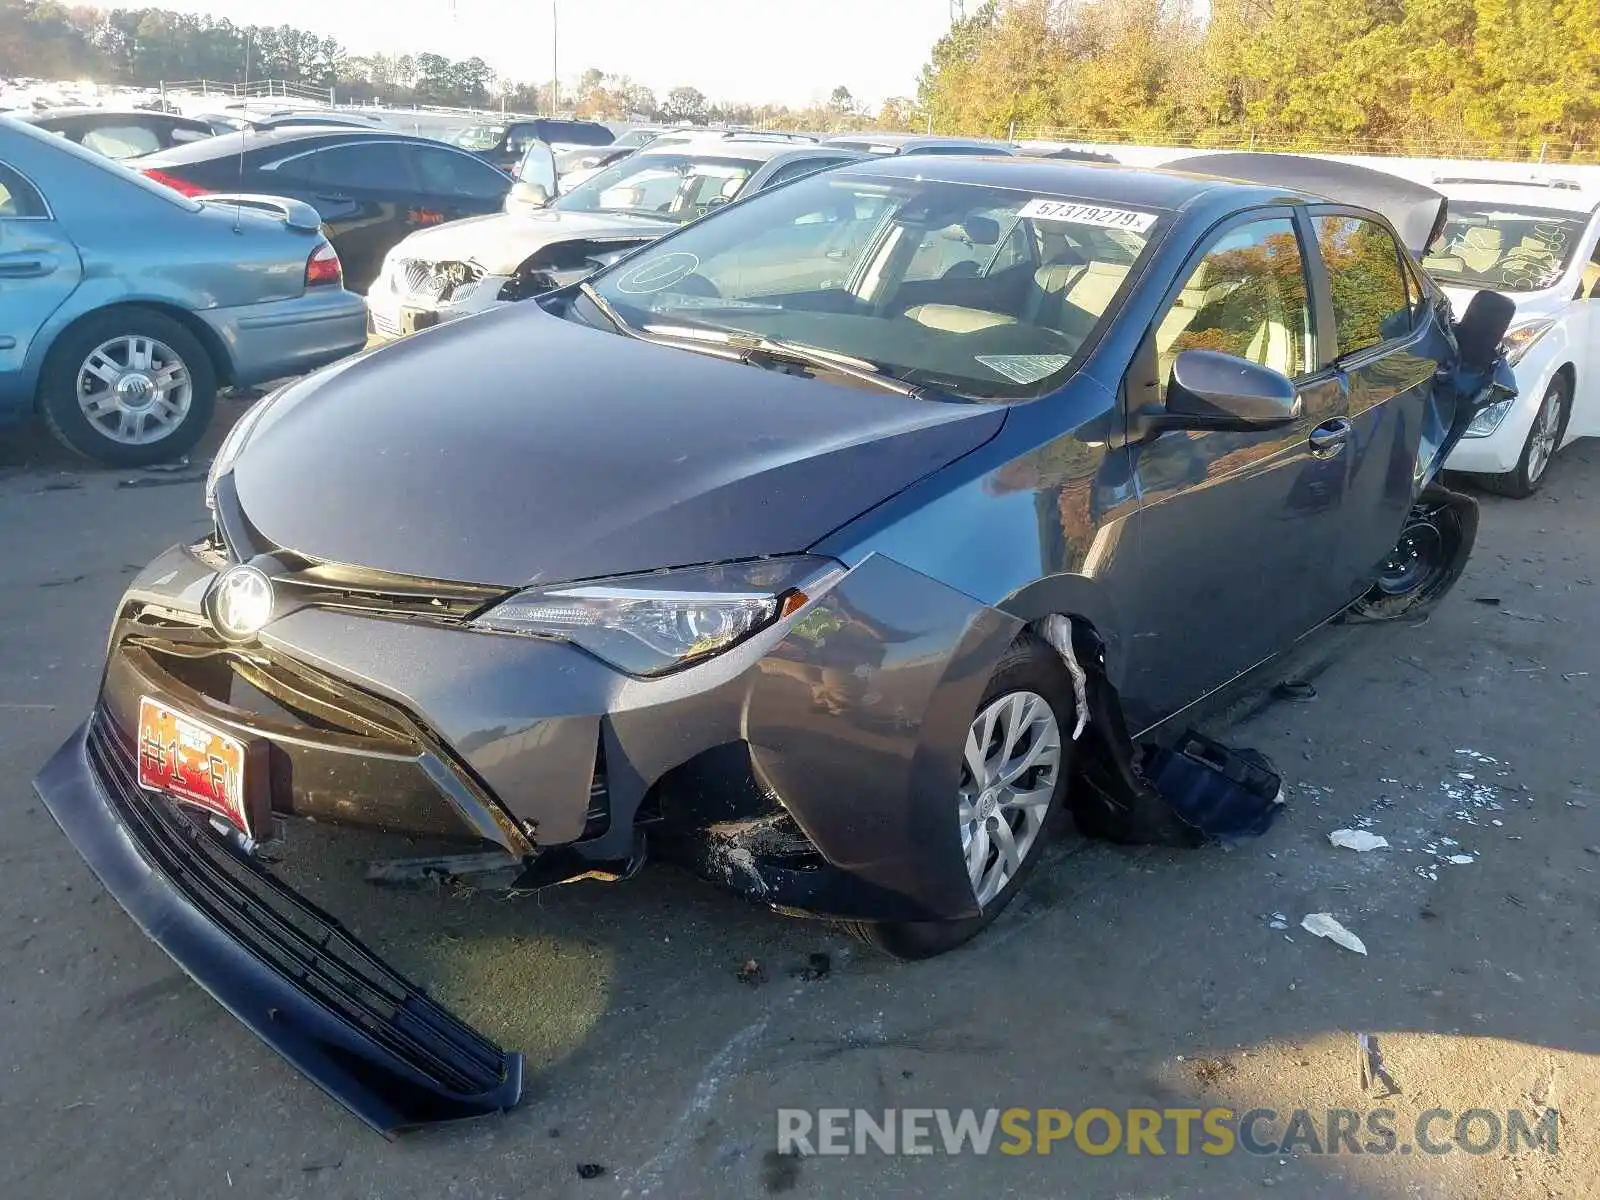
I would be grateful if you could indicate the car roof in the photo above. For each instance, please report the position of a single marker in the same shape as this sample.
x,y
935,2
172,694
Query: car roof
x,y
89,110
1555,195
1106,183
912,141
255,140
750,148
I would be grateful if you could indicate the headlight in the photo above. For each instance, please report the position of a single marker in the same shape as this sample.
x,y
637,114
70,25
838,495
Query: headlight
x,y
228,452
1488,420
655,623
1520,340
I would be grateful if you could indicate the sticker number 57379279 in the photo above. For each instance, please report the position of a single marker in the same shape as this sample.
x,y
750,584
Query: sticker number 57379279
x,y
1073,213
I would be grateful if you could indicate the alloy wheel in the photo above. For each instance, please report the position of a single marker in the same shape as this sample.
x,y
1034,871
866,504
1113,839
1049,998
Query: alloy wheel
x,y
134,390
1546,429
1009,771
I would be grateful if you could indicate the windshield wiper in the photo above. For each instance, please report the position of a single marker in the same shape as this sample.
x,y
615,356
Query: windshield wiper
x,y
606,310
756,347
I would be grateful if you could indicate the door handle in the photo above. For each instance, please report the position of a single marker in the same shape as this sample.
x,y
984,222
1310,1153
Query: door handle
x,y
1328,439
25,268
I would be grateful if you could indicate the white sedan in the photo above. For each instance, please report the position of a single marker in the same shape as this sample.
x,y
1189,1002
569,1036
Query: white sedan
x,y
1536,243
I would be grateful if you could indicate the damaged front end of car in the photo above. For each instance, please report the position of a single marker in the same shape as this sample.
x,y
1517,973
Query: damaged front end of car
x,y
425,292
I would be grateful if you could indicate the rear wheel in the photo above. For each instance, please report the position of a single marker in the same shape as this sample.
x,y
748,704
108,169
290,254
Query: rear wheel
x,y
1015,764
128,387
1544,438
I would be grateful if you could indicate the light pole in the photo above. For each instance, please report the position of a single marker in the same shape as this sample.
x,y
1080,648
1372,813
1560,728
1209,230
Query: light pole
x,y
555,60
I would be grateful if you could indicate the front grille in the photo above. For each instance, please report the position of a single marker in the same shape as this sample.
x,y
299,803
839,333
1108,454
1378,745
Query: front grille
x,y
301,943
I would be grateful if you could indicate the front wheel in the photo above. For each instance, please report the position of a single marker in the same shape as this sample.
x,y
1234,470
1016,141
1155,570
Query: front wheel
x,y
1544,439
1014,769
128,387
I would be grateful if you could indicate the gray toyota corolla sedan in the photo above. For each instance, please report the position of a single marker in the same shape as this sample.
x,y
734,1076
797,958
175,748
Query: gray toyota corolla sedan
x,y
758,548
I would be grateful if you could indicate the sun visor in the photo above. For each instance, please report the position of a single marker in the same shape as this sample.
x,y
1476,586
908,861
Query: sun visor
x,y
1416,211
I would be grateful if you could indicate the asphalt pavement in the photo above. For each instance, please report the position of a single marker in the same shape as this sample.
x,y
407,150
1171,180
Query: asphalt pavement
x,y
666,1023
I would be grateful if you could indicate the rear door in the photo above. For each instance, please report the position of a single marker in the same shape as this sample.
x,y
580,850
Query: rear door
x,y
1380,351
39,267
450,185
1235,529
364,192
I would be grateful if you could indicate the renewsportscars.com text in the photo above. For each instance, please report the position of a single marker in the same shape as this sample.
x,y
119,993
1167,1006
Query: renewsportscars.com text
x,y
1156,1131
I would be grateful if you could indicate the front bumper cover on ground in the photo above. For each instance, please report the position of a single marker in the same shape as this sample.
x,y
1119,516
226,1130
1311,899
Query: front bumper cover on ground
x,y
373,1041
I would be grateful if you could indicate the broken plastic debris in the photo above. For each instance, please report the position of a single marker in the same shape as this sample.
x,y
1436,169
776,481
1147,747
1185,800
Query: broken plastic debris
x,y
1057,630
1323,925
1357,839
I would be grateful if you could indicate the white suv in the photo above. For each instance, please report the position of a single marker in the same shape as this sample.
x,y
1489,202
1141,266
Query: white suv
x,y
1536,243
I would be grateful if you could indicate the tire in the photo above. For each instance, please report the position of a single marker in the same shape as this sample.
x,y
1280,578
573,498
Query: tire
x,y
148,388
1544,439
1030,668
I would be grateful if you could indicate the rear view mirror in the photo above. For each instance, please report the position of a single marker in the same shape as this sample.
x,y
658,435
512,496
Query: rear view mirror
x,y
1216,392
1482,327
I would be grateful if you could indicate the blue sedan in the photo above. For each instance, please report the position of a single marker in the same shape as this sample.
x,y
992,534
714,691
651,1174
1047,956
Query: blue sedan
x,y
124,306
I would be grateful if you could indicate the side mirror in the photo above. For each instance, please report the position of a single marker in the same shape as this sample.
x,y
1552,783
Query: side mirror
x,y
1215,392
538,172
1482,327
527,195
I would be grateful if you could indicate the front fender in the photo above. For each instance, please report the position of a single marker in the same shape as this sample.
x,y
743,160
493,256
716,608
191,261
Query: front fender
x,y
858,718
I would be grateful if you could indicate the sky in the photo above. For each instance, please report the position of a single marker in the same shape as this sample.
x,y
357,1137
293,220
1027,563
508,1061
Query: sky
x,y
784,51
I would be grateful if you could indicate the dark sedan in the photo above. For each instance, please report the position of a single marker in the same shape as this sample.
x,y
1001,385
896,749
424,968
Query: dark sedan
x,y
820,542
372,187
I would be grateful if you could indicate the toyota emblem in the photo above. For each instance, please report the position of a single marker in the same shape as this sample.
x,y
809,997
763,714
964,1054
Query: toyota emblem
x,y
241,602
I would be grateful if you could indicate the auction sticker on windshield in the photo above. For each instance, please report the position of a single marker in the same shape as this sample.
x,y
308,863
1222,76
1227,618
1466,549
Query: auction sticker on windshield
x,y
1073,213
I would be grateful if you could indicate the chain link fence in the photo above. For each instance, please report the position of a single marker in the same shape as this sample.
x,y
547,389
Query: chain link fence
x,y
1419,146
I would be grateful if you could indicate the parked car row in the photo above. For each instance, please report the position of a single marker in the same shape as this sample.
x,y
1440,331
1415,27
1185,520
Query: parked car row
x,y
392,206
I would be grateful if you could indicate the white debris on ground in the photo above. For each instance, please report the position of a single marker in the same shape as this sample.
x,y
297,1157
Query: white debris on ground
x,y
1358,840
1324,925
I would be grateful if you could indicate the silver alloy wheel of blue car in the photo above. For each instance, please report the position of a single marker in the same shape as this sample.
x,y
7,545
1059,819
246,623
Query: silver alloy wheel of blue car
x,y
134,390
1008,776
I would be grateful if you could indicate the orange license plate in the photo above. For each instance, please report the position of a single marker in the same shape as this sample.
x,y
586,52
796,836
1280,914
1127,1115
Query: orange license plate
x,y
192,762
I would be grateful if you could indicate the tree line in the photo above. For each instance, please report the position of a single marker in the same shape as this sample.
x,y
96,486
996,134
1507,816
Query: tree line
x,y
1517,77
145,47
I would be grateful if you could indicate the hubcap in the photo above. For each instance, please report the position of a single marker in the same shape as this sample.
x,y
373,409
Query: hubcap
x,y
1008,774
134,390
1546,429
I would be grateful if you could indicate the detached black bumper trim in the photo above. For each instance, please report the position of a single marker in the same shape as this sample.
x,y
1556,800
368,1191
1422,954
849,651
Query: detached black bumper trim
x,y
368,1037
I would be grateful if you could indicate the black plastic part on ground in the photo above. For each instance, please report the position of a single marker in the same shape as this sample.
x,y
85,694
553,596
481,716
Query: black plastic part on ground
x,y
370,1039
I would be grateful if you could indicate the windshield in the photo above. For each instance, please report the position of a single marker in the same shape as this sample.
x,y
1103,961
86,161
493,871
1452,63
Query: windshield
x,y
1506,248
674,187
979,291
480,137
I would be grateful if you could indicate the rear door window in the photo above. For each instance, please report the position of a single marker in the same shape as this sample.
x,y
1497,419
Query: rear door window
x,y
446,173
121,139
18,197
575,133
368,167
1371,304
801,168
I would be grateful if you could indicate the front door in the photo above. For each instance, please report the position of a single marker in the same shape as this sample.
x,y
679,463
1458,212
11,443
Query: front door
x,y
39,267
1235,530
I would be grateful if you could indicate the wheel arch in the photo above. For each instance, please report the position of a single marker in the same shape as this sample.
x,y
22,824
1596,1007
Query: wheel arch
x,y
216,350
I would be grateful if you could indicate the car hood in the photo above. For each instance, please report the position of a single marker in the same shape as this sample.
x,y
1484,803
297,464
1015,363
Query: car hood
x,y
500,242
519,447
